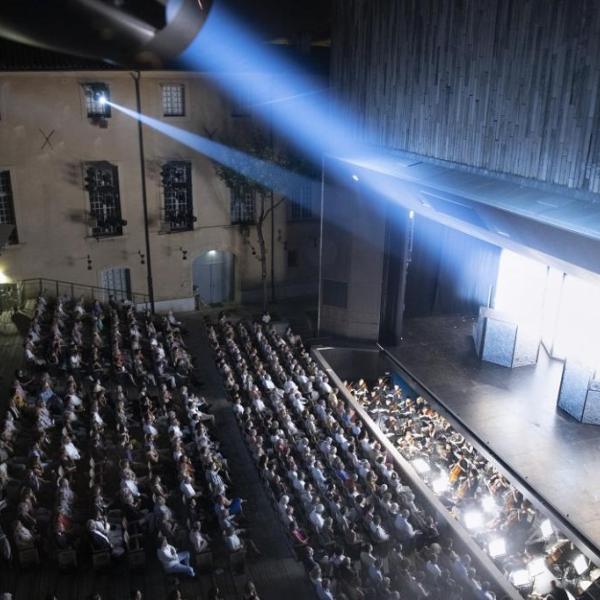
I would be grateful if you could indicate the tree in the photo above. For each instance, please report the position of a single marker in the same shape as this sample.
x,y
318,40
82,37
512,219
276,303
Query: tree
x,y
255,166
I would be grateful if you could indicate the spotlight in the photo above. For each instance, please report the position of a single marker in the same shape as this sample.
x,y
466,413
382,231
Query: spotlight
x,y
102,100
411,214
581,564
497,548
536,566
355,177
149,33
520,578
421,466
440,485
4,278
546,528
489,504
473,519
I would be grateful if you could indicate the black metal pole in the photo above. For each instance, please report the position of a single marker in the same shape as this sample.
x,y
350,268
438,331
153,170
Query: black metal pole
x,y
136,78
271,142
272,250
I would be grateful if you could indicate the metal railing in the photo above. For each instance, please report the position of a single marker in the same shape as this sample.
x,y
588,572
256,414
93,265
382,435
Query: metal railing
x,y
461,538
16,294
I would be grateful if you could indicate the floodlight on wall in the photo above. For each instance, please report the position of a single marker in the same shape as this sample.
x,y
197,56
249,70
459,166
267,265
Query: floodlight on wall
x,y
127,32
184,253
89,262
142,257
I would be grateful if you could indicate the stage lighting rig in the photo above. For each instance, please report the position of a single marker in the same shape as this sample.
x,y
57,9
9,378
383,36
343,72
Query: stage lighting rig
x,y
131,33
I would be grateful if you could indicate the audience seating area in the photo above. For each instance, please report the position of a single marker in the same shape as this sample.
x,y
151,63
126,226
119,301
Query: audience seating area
x,y
107,453
108,456
353,520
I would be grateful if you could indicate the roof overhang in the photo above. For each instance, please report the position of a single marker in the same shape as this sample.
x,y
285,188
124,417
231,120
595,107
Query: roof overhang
x,y
555,227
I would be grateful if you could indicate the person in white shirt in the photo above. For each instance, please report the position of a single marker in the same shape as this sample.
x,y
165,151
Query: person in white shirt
x,y
70,449
198,540
379,533
173,561
405,530
289,386
131,485
316,517
187,489
432,567
238,409
259,405
233,543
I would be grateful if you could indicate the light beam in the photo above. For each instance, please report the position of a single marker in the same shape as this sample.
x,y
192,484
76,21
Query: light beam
x,y
265,173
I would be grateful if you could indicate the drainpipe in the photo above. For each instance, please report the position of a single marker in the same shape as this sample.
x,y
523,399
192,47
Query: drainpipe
x,y
136,78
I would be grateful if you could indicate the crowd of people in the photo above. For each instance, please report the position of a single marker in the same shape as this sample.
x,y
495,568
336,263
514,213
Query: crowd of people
x,y
473,490
352,518
109,455
106,450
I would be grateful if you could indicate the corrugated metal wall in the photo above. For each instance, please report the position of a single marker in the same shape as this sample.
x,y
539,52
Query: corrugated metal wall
x,y
507,85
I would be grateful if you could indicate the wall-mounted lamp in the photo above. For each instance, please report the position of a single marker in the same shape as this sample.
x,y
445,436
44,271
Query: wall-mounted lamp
x,y
142,257
184,253
89,262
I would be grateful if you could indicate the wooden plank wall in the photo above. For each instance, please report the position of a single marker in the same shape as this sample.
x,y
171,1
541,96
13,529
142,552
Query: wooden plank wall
x,y
507,85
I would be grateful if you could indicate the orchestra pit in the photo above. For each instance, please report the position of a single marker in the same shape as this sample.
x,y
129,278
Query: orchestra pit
x,y
299,300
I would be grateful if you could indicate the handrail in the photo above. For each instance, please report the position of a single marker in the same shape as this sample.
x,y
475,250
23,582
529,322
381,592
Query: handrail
x,y
81,285
539,502
95,292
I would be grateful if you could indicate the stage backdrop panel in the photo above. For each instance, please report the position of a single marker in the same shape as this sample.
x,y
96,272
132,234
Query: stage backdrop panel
x,y
451,273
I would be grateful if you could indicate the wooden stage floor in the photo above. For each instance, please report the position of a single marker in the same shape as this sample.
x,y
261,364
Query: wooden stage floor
x,y
514,412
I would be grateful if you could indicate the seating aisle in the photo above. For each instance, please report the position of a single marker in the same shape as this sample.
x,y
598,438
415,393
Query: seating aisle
x,y
276,573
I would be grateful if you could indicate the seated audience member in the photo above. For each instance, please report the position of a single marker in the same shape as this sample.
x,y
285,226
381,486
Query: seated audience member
x,y
198,539
174,562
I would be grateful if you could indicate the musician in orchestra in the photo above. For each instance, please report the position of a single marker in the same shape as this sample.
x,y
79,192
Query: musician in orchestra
x,y
557,592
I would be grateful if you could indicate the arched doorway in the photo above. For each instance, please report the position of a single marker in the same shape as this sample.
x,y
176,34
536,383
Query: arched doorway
x,y
117,283
212,276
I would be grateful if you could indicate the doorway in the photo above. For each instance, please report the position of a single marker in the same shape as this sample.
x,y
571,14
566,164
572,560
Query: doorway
x,y
212,274
117,283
